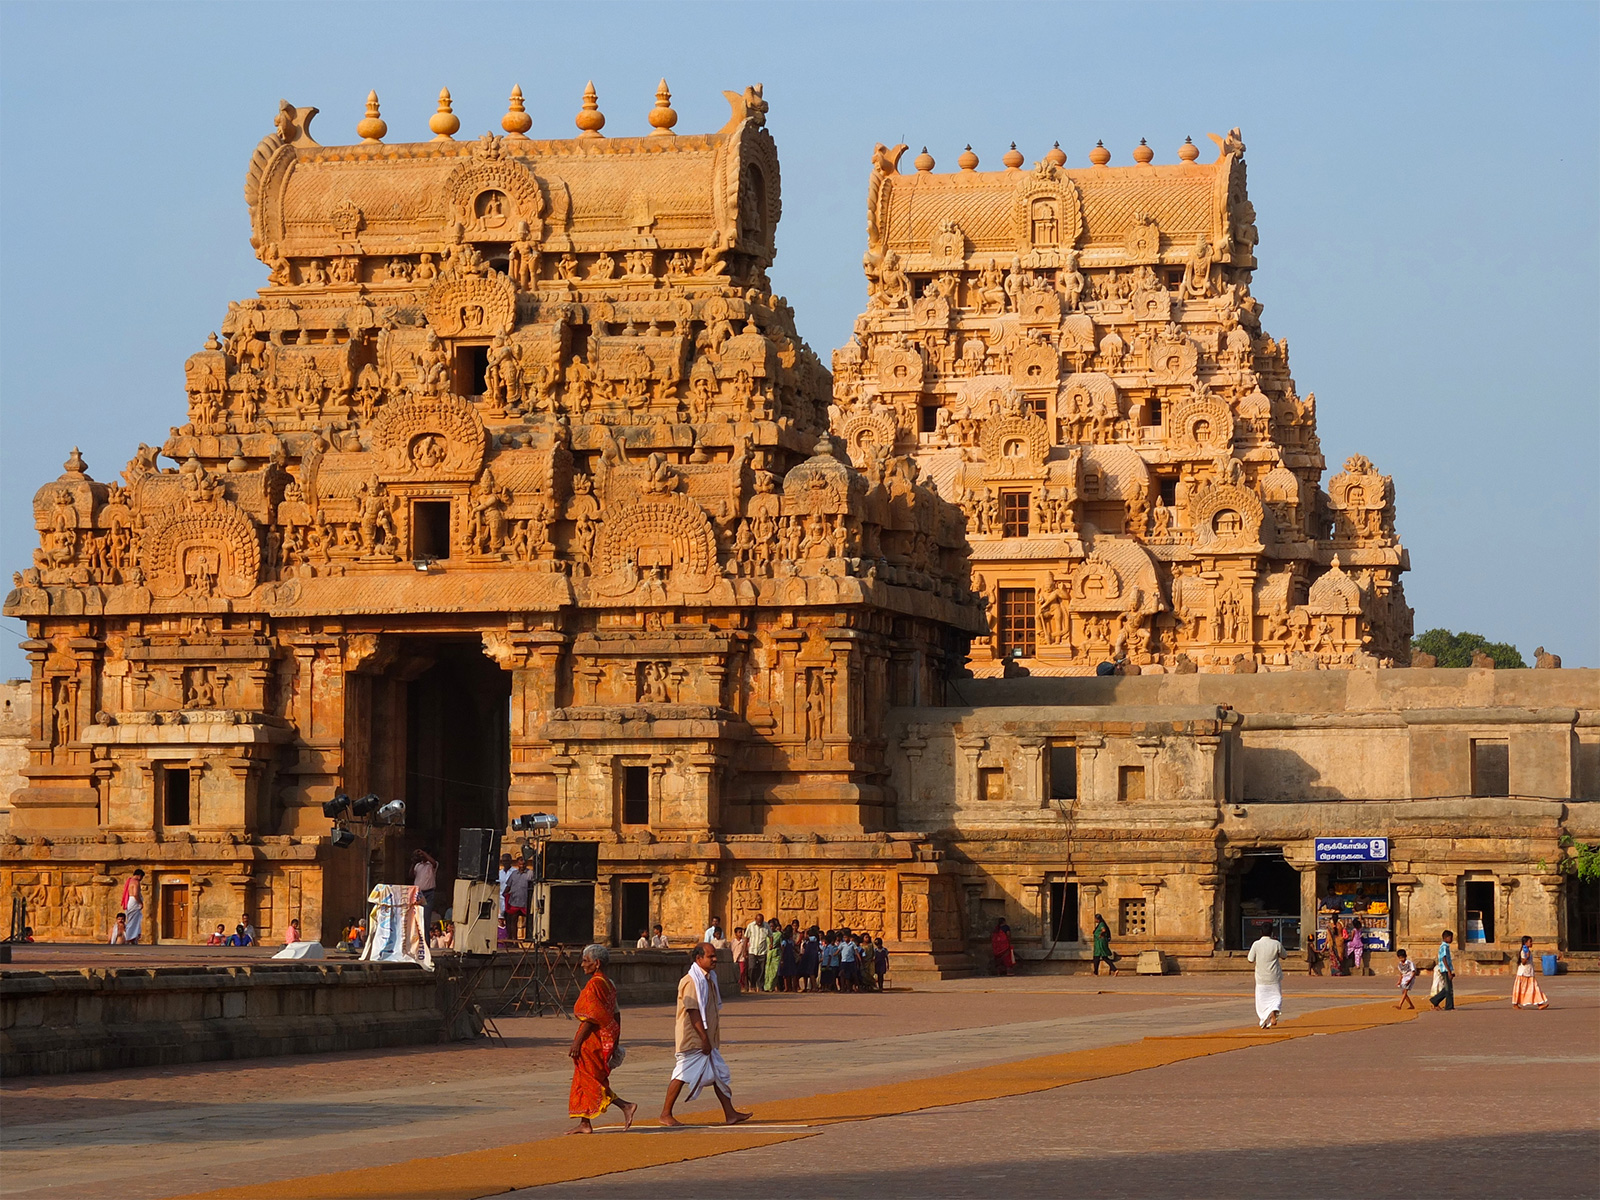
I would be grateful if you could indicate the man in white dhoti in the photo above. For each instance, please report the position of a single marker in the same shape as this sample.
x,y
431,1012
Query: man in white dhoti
x,y
699,1061
133,905
1267,954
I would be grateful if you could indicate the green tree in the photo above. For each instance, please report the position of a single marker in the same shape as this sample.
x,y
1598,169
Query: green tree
x,y
1455,649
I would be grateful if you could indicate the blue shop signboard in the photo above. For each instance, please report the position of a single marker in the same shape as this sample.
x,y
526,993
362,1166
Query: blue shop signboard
x,y
1352,849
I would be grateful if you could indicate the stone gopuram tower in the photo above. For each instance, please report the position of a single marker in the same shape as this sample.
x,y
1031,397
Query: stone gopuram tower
x,y
511,490
1075,357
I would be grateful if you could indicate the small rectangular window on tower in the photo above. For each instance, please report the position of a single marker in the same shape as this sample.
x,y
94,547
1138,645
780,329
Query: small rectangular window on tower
x,y
1063,771
1014,514
1130,783
430,529
1491,767
1016,622
636,795
930,418
471,370
175,796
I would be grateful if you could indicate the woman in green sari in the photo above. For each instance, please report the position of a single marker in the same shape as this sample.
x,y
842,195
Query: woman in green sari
x,y
1102,945
774,959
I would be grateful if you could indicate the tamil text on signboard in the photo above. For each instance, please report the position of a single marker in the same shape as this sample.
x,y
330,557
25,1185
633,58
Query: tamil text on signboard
x,y
1352,849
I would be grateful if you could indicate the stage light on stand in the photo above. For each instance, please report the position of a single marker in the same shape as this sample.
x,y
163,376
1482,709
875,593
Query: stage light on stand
x,y
535,822
367,805
392,813
332,808
341,837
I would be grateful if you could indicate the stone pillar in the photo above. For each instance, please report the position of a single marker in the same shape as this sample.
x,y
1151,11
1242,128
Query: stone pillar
x,y
1035,909
1031,770
1150,885
1210,884
967,778
1089,746
1216,790
1402,886
1089,891
1149,750
1503,934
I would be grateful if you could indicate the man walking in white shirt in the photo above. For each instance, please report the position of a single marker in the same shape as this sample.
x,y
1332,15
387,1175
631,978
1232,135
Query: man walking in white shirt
x,y
756,955
1267,954
697,1040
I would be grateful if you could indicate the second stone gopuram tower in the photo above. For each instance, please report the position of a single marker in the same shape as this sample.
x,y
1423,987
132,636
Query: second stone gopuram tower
x,y
1075,358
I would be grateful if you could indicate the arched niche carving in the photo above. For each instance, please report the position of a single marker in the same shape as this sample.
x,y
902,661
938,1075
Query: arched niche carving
x,y
1047,214
471,305
488,197
1036,365
821,484
900,368
663,540
867,434
216,552
1227,517
1201,424
439,437
1015,446
1334,593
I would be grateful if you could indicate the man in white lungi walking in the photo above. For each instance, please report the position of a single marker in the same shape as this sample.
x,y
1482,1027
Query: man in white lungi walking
x,y
1267,954
699,1061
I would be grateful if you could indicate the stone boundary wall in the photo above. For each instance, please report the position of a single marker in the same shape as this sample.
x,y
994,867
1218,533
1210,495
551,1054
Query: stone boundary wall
x,y
95,1019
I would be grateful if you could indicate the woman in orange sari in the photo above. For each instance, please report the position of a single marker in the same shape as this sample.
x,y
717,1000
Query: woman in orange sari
x,y
596,1045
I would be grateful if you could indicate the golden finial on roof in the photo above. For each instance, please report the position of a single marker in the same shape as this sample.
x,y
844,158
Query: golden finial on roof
x,y
1188,151
590,120
1100,156
444,123
968,160
516,122
663,116
1012,158
1142,154
372,127
924,161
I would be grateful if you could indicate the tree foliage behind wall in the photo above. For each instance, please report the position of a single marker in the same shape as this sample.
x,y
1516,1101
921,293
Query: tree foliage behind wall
x,y
1455,649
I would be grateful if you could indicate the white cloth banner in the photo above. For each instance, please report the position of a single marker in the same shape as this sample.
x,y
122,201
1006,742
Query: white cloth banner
x,y
397,932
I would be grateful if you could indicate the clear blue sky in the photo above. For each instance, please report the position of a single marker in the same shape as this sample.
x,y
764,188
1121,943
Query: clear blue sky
x,y
1426,179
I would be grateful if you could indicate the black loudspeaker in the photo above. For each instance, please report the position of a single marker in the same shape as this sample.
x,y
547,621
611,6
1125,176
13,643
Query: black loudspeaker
x,y
572,862
480,848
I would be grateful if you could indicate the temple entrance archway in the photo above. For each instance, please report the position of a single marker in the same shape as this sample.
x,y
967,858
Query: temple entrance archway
x,y
440,730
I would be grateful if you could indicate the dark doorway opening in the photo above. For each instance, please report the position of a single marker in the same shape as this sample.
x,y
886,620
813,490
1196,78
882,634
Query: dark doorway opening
x,y
430,529
175,796
457,750
1583,914
471,370
1264,897
1063,915
572,914
1478,898
633,913
636,795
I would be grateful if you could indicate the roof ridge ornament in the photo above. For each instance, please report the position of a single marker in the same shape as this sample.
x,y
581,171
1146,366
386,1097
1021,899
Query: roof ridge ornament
x,y
444,123
372,127
663,116
590,120
516,122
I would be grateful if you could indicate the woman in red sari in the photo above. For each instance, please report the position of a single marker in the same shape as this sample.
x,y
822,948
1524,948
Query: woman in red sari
x,y
596,1045
1000,943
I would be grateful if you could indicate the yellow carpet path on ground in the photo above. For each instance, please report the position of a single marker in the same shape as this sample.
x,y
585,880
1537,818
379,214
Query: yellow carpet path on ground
x,y
563,1159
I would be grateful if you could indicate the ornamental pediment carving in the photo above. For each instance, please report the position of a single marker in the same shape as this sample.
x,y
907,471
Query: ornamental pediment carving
x,y
1226,517
660,546
488,197
1200,424
1048,211
471,305
867,435
206,553
1036,365
821,484
899,368
429,437
1015,446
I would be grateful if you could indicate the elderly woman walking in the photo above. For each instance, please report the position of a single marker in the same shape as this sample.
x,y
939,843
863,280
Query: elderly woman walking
x,y
596,1046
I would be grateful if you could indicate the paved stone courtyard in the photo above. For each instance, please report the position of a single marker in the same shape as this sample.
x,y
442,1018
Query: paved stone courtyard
x,y
1487,1101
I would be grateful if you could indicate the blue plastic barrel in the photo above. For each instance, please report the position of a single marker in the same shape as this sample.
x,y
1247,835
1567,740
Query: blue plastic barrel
x,y
1549,964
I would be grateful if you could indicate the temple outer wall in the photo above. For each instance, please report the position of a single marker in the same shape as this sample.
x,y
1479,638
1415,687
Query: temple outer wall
x,y
1151,836
16,712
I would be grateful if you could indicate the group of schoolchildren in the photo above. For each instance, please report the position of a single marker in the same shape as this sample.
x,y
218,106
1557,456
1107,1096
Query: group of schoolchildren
x,y
776,958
